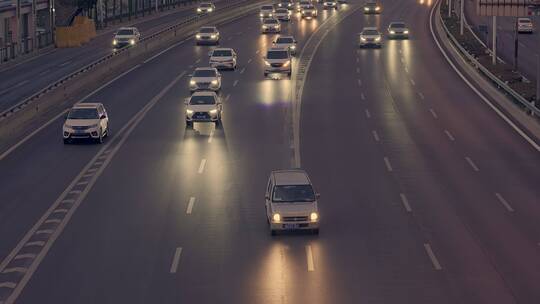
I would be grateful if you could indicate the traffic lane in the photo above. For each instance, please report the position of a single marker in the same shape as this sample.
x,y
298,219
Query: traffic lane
x,y
375,249
481,216
29,78
271,128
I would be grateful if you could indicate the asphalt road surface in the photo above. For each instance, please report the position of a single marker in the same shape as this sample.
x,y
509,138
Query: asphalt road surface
x,y
427,196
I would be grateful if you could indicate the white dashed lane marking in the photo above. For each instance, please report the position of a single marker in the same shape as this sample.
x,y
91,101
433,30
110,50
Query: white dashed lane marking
x,y
449,135
65,63
432,257
368,115
412,82
504,202
375,135
235,83
309,256
176,260
362,96
211,136
198,60
9,285
242,70
472,164
405,202
202,165
360,82
433,113
190,205
421,95
388,164
249,60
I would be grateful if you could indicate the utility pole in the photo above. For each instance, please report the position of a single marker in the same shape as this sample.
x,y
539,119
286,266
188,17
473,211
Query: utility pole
x,y
494,41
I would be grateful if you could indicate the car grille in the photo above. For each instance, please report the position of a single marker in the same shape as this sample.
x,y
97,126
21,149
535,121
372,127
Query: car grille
x,y
203,115
277,65
80,127
295,218
203,85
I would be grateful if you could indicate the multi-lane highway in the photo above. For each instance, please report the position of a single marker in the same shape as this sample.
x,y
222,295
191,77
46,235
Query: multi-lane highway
x,y
427,196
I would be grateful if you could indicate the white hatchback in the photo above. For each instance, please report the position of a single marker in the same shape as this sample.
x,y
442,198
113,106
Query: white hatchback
x,y
291,202
205,79
223,58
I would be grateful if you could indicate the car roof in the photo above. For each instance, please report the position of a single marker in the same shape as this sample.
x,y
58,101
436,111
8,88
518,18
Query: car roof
x,y
210,27
204,93
524,19
87,105
397,22
370,29
206,3
288,36
223,49
205,69
291,177
277,49
127,28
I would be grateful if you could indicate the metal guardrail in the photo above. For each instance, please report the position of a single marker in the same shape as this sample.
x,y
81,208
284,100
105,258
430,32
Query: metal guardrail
x,y
24,103
508,90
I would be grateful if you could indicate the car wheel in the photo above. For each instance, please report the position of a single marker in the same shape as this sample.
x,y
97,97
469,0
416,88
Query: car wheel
x,y
315,231
100,138
66,141
273,232
265,74
189,124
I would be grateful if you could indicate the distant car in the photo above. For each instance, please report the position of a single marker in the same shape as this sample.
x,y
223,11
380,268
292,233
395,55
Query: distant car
x,y
302,4
370,36
342,1
372,8
288,4
207,79
86,121
398,30
330,4
309,12
126,36
206,7
285,42
282,14
525,25
270,25
207,35
291,203
224,58
266,11
203,106
277,61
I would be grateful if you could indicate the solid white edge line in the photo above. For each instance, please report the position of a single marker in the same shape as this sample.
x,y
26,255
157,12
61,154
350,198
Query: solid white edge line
x,y
362,96
432,257
176,259
25,139
190,205
202,165
501,115
405,202
309,256
504,202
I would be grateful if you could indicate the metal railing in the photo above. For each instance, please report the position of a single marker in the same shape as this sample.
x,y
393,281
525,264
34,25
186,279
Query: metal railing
x,y
475,63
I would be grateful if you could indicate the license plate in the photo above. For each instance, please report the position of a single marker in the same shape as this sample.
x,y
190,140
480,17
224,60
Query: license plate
x,y
291,226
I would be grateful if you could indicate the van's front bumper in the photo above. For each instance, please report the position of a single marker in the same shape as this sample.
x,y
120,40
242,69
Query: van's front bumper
x,y
284,226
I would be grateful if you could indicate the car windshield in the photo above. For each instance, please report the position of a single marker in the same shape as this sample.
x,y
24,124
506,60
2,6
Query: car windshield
x,y
207,30
83,114
293,193
270,21
204,73
206,5
267,7
125,32
285,40
220,53
371,4
370,32
277,55
524,21
202,100
397,25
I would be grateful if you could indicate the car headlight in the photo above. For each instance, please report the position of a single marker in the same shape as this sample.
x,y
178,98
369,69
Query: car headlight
x,y
362,38
261,14
366,8
303,12
213,36
214,82
267,63
276,218
405,32
210,10
378,39
114,42
392,32
293,47
287,63
314,216
199,10
188,111
192,82
132,41
270,14
198,36
377,8
214,111
280,5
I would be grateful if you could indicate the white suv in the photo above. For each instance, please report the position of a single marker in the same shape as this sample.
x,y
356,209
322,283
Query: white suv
x,y
270,25
208,79
204,106
86,121
286,42
223,58
207,35
277,61
291,202
267,11
126,36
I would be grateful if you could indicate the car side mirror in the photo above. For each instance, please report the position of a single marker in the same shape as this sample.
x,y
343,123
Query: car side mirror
x,y
267,197
186,102
103,116
317,195
210,53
